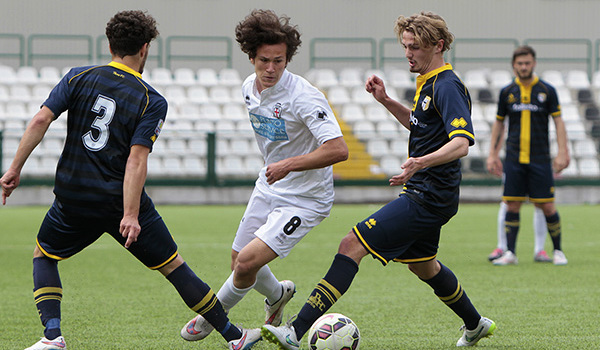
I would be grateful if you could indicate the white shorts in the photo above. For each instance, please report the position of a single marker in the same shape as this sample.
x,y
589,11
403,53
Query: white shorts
x,y
279,221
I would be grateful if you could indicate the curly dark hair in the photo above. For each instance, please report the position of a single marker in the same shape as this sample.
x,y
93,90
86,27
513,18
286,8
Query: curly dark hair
x,y
265,27
128,31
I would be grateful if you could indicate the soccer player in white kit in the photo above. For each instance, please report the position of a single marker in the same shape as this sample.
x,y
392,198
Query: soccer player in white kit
x,y
300,140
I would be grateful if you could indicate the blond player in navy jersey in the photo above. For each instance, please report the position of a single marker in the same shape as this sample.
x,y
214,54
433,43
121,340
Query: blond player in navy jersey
x,y
407,230
300,139
114,118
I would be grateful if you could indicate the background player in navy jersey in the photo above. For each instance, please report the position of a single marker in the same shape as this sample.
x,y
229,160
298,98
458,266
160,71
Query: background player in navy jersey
x,y
113,120
300,140
528,168
408,229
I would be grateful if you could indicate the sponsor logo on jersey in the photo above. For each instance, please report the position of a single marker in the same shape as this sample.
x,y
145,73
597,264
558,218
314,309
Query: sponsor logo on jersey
x,y
277,110
542,97
414,121
518,107
157,130
425,103
512,98
321,115
273,129
459,123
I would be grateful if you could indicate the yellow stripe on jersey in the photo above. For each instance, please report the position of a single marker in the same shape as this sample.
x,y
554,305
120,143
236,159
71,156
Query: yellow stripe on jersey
x,y
525,136
461,132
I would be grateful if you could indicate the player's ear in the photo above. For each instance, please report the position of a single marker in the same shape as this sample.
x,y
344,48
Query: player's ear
x,y
440,46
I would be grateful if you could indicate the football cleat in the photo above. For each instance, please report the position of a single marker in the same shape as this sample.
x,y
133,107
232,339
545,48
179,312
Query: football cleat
x,y
508,258
197,328
541,256
283,336
274,313
485,328
247,341
495,254
559,258
44,344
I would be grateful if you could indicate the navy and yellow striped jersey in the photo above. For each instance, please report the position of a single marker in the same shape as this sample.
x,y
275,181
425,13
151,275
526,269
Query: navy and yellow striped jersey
x,y
528,109
110,108
441,111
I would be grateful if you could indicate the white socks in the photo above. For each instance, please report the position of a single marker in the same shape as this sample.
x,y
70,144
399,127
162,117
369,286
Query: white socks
x,y
229,295
266,284
540,229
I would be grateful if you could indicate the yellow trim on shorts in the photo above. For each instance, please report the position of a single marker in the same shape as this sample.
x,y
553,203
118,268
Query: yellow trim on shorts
x,y
364,243
514,199
541,200
51,256
415,260
166,262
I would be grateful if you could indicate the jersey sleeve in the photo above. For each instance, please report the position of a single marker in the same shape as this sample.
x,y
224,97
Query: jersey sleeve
x,y
314,110
58,99
454,104
553,103
151,122
501,112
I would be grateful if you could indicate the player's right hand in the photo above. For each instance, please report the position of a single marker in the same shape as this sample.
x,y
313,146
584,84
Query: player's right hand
x,y
130,229
376,87
9,182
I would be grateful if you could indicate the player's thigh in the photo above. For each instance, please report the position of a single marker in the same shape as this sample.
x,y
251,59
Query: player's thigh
x,y
402,229
516,184
286,226
63,234
256,214
155,246
541,182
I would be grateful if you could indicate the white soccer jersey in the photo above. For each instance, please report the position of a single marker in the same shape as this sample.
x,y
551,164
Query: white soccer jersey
x,y
290,119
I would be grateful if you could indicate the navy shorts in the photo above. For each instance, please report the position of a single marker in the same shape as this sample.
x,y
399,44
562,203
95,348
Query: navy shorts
x,y
534,180
66,231
402,231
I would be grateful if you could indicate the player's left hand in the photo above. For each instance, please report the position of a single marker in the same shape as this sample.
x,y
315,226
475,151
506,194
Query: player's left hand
x,y
560,163
277,171
410,167
130,229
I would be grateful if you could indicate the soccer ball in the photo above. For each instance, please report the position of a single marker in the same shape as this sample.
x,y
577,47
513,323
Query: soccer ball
x,y
333,332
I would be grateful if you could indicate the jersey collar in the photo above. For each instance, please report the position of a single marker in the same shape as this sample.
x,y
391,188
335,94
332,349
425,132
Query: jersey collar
x,y
533,82
125,68
421,79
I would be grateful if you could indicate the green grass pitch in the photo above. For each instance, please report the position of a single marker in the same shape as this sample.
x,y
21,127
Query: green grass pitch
x,y
111,301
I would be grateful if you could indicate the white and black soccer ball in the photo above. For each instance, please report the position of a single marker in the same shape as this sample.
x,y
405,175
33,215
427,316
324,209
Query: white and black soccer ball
x,y
333,332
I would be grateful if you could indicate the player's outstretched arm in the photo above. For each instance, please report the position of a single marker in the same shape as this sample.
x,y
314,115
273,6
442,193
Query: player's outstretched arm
x,y
31,138
376,87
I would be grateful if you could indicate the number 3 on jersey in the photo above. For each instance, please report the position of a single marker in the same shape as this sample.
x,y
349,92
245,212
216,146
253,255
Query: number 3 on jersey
x,y
105,107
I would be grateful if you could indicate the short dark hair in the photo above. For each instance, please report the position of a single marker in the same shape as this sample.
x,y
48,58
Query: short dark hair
x,y
128,31
523,51
262,27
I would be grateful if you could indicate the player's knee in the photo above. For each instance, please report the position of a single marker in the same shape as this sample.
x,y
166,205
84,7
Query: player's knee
x,y
245,269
